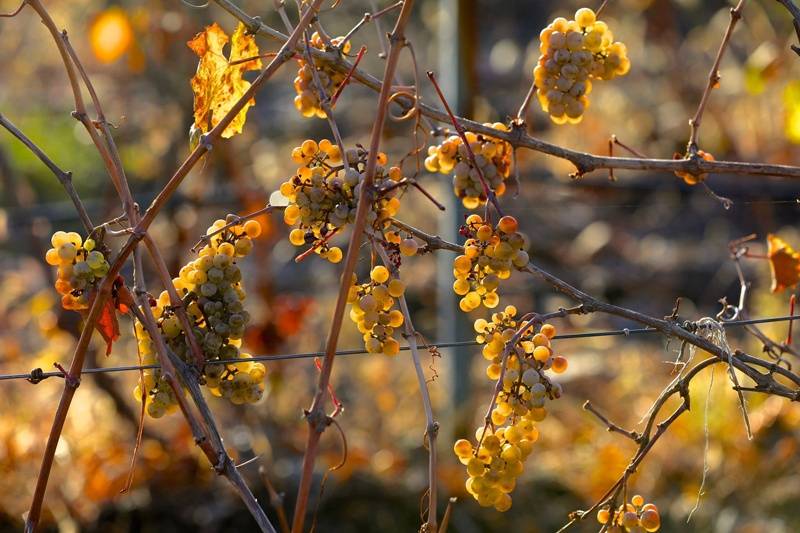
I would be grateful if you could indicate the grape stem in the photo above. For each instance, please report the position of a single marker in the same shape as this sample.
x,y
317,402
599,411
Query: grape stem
x,y
205,239
346,80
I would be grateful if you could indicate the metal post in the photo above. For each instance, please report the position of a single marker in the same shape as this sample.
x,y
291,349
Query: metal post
x,y
456,77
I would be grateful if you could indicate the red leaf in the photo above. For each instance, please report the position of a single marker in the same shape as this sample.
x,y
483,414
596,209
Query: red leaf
x,y
108,326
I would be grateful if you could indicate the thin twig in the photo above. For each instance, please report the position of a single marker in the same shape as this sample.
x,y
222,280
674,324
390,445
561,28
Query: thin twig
x,y
368,17
713,80
610,426
526,102
276,500
237,220
315,416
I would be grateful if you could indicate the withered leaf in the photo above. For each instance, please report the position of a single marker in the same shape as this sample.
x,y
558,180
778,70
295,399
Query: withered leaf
x,y
219,81
784,263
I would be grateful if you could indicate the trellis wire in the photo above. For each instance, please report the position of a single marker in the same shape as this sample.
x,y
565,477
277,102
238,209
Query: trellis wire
x,y
38,376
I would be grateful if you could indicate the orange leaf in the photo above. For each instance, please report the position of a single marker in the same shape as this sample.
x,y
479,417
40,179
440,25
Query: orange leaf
x,y
108,326
219,83
784,263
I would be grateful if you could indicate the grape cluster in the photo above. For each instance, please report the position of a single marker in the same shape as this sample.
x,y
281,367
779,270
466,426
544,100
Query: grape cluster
x,y
493,156
525,385
371,309
212,291
489,255
80,268
494,464
323,196
632,517
575,52
307,100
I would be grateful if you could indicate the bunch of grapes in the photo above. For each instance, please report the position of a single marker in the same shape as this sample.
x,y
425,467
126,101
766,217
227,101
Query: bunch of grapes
x,y
489,255
634,516
525,385
575,52
497,460
493,156
372,310
494,466
211,289
158,395
307,100
80,268
323,196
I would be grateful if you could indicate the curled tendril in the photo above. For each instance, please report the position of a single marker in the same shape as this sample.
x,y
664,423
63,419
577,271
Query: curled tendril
x,y
412,112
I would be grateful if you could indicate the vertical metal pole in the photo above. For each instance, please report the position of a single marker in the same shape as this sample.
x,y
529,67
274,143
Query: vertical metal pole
x,y
456,77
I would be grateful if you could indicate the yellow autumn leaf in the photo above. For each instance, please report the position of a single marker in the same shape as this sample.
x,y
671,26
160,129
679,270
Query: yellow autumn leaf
x,y
784,263
219,81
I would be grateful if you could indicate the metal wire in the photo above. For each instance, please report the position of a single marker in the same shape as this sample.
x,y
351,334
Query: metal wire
x,y
37,375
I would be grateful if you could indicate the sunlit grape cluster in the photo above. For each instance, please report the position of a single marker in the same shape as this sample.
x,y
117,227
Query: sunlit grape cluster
x,y
372,309
494,464
323,195
635,516
80,268
575,52
211,289
489,255
307,99
493,156
525,385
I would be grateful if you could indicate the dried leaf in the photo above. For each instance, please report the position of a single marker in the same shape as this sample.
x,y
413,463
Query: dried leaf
x,y
784,263
219,83
107,324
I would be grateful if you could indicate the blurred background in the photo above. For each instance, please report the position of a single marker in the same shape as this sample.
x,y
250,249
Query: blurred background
x,y
640,242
